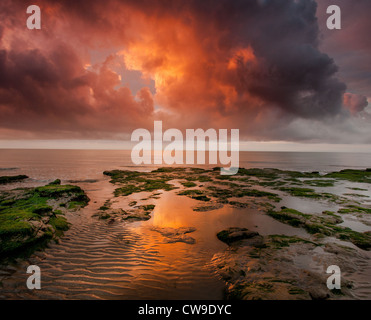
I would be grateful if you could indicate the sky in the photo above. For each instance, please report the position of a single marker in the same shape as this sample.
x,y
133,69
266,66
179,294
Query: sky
x,y
97,70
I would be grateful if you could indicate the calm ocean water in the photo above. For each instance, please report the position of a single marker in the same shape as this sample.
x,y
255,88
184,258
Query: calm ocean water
x,y
89,164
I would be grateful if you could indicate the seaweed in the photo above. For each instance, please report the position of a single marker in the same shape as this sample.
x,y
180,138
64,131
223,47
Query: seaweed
x,y
362,176
325,225
26,218
10,179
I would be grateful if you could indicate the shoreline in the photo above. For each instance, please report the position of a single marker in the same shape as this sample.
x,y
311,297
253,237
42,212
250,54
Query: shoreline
x,y
264,192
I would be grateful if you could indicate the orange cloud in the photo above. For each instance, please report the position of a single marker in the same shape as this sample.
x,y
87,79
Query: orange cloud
x,y
355,103
221,64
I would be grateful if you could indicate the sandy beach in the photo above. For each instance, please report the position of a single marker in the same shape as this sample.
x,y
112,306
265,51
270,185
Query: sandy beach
x,y
192,233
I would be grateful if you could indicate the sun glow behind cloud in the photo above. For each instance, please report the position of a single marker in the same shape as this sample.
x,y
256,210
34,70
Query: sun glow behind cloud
x,y
100,70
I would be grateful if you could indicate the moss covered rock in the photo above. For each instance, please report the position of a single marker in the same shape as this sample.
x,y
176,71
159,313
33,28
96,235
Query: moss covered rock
x,y
9,179
31,217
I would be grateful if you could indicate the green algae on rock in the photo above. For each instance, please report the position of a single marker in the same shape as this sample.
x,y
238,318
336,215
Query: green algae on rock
x,y
135,213
238,192
195,194
189,184
208,207
256,266
268,269
363,176
326,225
134,181
33,216
355,209
10,179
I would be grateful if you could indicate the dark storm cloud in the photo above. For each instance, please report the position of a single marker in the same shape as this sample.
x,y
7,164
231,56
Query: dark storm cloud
x,y
46,89
254,65
290,72
351,46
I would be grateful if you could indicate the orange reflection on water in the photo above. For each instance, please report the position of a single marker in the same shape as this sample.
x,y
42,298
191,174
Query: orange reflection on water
x,y
172,211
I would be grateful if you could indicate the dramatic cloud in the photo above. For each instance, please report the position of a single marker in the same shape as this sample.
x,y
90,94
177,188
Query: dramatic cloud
x,y
102,68
355,103
238,61
351,46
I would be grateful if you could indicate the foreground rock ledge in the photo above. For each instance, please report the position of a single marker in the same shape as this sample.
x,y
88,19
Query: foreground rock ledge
x,y
31,217
257,267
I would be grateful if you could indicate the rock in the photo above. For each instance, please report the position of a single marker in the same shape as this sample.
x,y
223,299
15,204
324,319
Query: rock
x,y
43,210
37,225
45,220
211,207
181,238
136,214
256,241
319,294
31,215
9,179
173,235
232,235
132,203
55,182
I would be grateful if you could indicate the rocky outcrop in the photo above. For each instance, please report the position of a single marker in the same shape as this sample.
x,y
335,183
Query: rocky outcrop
x,y
233,235
34,216
173,235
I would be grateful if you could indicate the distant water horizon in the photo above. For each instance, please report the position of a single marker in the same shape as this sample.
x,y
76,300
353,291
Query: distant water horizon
x,y
77,164
45,165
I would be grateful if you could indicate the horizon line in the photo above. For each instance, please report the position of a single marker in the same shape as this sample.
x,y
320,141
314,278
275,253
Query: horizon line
x,y
244,146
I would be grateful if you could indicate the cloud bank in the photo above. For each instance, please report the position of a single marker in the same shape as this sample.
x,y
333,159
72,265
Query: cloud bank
x,y
259,66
